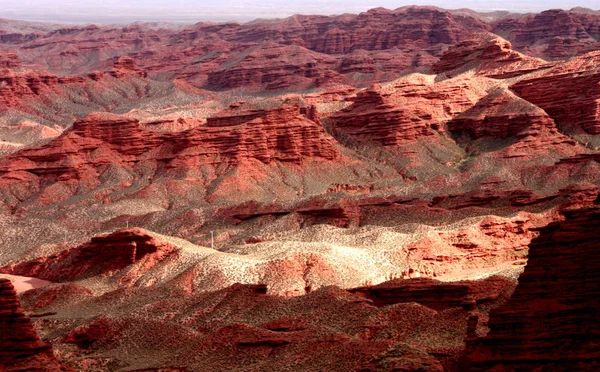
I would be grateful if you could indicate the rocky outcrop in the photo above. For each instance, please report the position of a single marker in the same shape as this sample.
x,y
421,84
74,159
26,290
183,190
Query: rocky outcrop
x,y
411,110
101,255
569,93
435,294
487,55
125,66
552,34
9,60
280,134
20,86
16,84
552,319
502,116
20,347
273,67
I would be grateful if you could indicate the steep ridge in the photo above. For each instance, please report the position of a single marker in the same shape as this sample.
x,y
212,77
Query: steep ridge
x,y
500,116
569,93
413,36
376,29
101,255
102,142
550,323
20,347
273,66
408,110
277,134
488,55
396,41
552,34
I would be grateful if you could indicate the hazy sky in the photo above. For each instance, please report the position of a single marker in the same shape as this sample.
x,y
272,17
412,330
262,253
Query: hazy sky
x,y
116,11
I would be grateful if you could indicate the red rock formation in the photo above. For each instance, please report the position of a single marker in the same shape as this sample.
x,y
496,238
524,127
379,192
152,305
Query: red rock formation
x,y
409,111
408,37
376,29
552,319
20,347
569,93
21,88
272,67
268,54
281,134
16,83
435,294
9,60
487,55
101,255
552,34
501,115
124,66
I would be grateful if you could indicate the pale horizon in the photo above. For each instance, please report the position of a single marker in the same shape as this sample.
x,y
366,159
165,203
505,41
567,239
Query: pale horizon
x,y
190,11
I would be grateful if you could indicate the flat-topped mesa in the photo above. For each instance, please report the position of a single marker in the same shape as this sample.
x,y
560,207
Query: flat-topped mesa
x,y
235,117
20,347
552,320
488,55
569,93
125,65
435,294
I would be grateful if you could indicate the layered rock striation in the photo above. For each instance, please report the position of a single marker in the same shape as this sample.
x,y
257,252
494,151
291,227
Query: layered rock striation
x,y
20,347
413,109
272,66
552,34
487,55
103,254
502,116
18,84
280,134
569,93
552,319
